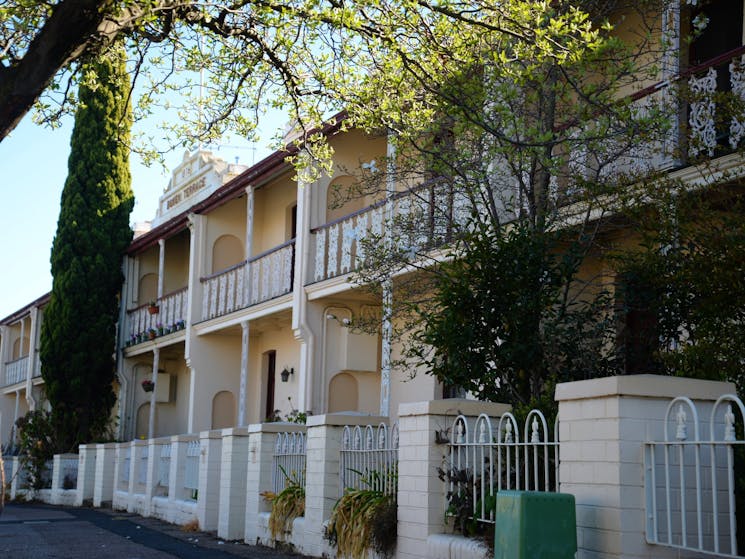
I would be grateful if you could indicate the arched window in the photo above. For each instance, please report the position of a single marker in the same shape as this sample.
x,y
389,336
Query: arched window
x,y
147,290
226,252
223,410
342,198
343,393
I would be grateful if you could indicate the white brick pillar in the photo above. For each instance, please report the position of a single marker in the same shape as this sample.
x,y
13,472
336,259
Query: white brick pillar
x,y
58,477
176,475
137,485
86,474
208,496
262,439
421,494
324,433
103,489
603,424
232,516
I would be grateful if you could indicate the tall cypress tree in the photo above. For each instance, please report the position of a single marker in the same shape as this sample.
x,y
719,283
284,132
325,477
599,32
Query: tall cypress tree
x,y
78,331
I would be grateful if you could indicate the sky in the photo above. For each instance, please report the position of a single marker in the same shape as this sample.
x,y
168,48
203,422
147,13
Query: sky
x,y
33,168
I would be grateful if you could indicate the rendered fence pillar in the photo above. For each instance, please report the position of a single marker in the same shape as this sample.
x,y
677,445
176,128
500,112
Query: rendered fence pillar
x,y
122,469
136,484
152,485
324,433
86,474
232,516
421,494
603,424
208,495
59,484
262,439
103,489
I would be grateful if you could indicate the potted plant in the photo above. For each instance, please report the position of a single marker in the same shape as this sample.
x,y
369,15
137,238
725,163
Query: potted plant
x,y
148,385
161,330
151,333
152,307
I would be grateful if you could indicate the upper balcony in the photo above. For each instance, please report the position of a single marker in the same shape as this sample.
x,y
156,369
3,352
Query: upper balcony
x,y
253,281
413,221
156,318
15,371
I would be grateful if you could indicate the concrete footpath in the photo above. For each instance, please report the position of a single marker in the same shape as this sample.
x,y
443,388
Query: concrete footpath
x,y
38,531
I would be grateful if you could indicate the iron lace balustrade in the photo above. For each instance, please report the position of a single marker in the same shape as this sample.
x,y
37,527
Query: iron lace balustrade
x,y
15,371
417,220
253,281
170,316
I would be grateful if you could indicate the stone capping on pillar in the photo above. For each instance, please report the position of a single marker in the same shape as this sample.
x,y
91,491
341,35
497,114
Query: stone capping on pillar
x,y
277,427
604,424
453,407
645,386
340,419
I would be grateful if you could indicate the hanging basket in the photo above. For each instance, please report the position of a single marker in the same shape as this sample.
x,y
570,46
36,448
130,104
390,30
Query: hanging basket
x,y
153,309
148,385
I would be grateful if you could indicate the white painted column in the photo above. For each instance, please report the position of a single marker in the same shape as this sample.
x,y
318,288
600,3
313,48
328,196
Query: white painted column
x,y
4,343
385,350
603,425
300,326
193,305
161,265
387,324
16,411
244,374
23,337
32,357
247,289
153,403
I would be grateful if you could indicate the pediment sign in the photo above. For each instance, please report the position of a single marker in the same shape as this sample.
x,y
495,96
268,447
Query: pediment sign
x,y
197,176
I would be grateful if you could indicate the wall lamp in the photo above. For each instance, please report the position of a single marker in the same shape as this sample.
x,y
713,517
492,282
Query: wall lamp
x,y
285,374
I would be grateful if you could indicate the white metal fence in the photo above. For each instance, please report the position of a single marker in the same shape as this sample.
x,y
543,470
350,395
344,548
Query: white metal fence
x,y
487,455
369,458
288,463
142,466
164,465
125,460
691,478
191,468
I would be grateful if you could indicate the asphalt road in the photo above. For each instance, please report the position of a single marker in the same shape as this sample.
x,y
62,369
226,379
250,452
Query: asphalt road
x,y
38,531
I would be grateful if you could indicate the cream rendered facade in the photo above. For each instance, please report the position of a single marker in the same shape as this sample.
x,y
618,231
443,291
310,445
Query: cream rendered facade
x,y
20,369
265,303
